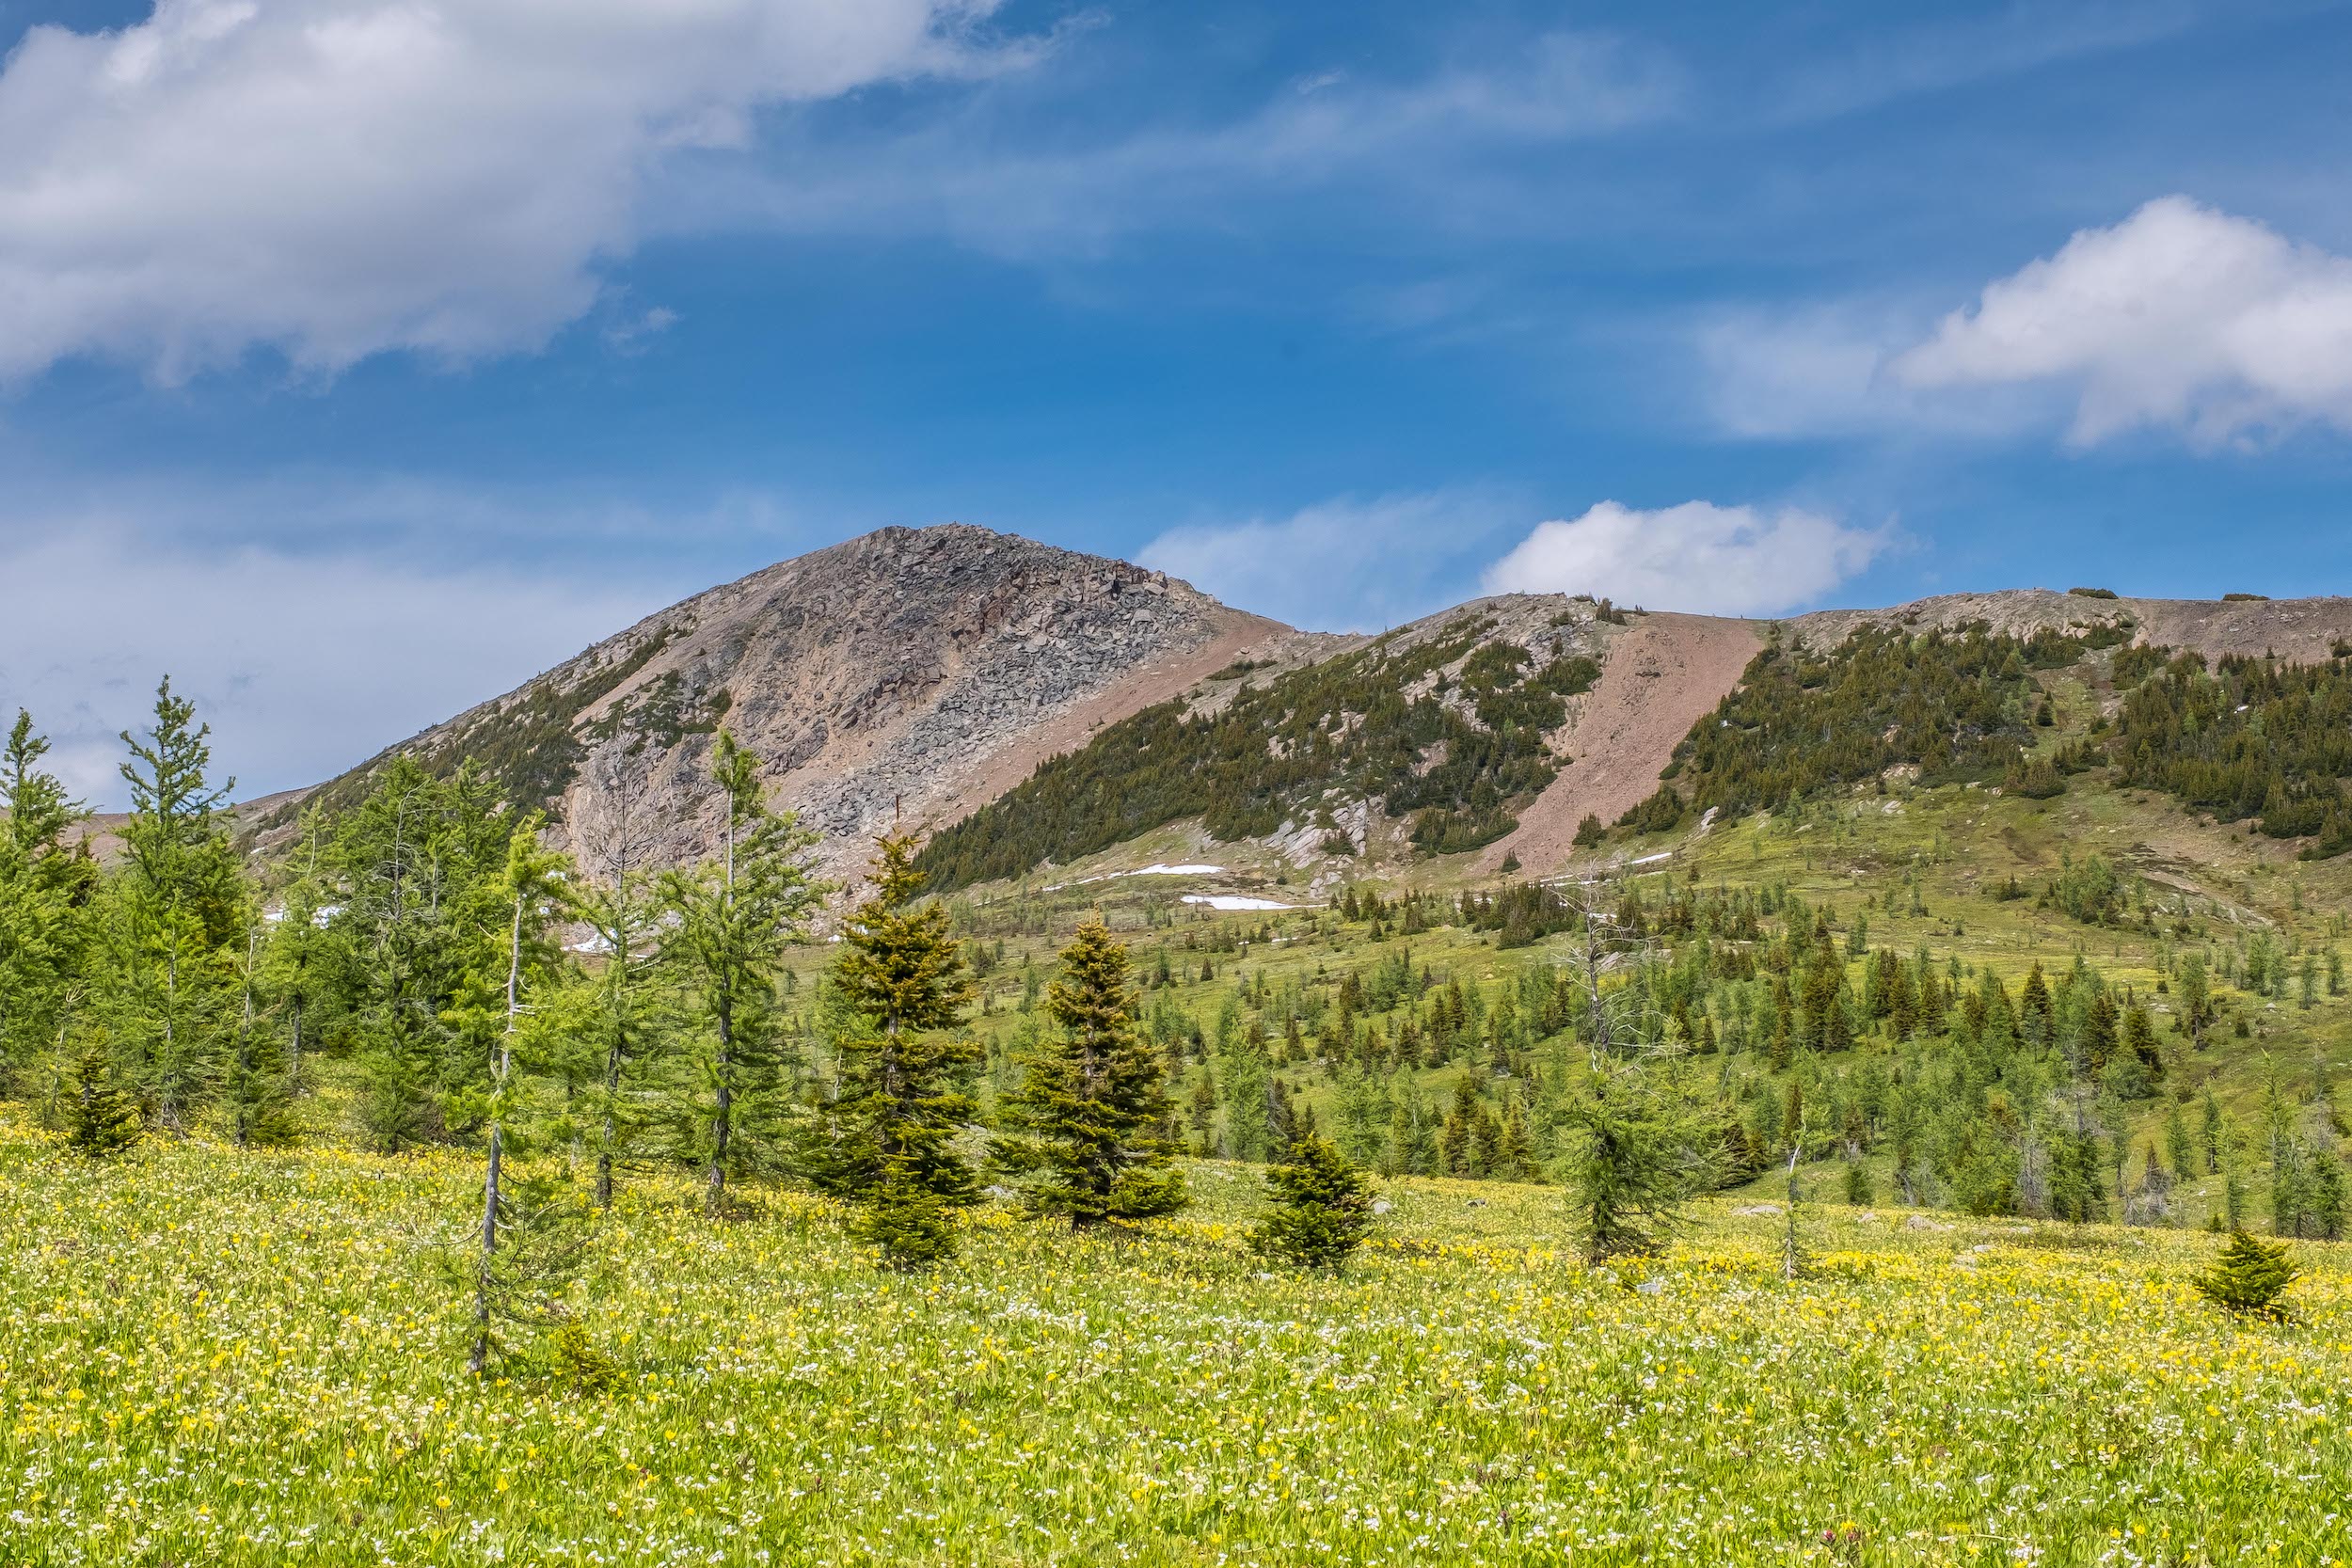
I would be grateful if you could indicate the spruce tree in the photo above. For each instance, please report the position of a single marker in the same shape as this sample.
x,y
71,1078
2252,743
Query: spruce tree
x,y
173,925
1091,1109
1323,1207
102,1121
733,918
903,1063
2249,1277
44,891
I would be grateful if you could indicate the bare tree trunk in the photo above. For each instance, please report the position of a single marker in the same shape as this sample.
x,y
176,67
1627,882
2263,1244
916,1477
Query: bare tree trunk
x,y
481,1357
1792,1254
242,1128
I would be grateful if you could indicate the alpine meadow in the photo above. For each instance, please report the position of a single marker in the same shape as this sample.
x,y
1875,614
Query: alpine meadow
x,y
1080,784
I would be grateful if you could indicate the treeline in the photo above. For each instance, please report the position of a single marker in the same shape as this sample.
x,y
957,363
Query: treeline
x,y
1452,754
2246,739
2256,740
1957,705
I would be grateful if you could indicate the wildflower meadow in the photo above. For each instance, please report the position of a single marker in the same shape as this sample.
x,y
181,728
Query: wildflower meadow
x,y
213,1355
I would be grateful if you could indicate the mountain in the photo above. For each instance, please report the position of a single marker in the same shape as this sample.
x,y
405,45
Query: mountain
x,y
1027,706
907,674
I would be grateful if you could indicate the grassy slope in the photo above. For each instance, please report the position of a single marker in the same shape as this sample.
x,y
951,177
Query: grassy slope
x,y
1959,843
241,1359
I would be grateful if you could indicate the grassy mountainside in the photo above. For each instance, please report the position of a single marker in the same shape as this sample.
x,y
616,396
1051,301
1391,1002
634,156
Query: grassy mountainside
x,y
1962,945
1443,726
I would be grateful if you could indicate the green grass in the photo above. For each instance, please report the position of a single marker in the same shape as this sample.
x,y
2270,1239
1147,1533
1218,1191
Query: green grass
x,y
215,1357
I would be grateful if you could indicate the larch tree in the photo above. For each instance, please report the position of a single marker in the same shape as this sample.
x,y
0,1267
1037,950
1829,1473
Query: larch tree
x,y
904,1063
496,1015
734,916
253,1087
177,913
621,906
1089,1115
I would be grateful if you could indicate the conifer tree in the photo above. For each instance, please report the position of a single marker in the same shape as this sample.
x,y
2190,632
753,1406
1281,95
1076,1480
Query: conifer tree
x,y
1635,1153
415,869
2249,1277
1091,1108
623,909
102,1121
734,917
1323,1207
44,887
904,1063
309,965
174,914
532,888
255,1089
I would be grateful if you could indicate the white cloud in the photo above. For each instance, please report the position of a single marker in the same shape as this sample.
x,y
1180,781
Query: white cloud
x,y
2180,317
303,664
1713,559
1423,144
1344,564
333,177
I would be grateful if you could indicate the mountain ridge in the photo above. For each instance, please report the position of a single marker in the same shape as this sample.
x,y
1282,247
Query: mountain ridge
x,y
917,676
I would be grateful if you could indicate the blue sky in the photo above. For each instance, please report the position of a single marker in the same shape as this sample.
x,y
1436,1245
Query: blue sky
x,y
358,358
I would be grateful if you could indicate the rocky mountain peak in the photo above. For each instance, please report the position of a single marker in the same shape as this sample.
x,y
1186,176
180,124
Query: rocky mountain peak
x,y
905,675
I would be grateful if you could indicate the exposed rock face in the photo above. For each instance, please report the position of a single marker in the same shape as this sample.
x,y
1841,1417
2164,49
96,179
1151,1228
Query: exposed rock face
x,y
889,675
2304,630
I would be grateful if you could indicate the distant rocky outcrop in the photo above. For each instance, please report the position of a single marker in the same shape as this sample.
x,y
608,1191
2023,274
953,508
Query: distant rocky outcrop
x,y
2304,630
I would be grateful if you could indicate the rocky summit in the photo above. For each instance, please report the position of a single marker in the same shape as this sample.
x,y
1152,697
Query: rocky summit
x,y
904,675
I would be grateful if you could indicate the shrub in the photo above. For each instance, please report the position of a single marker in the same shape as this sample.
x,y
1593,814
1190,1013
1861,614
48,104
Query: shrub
x,y
2093,593
579,1364
2248,1278
1659,814
1858,1185
907,1222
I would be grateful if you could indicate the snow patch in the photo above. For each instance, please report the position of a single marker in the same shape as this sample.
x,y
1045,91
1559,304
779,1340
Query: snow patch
x,y
1229,901
1152,870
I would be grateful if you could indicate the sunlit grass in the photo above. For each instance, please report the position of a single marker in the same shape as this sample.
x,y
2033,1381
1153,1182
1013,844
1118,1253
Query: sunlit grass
x,y
208,1356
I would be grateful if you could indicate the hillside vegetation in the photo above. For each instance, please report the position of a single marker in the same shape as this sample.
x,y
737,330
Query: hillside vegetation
x,y
1447,730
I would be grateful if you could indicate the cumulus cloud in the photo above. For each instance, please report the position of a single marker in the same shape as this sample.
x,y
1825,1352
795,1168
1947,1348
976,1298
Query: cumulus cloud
x,y
303,664
1345,564
2179,317
333,177
1698,556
